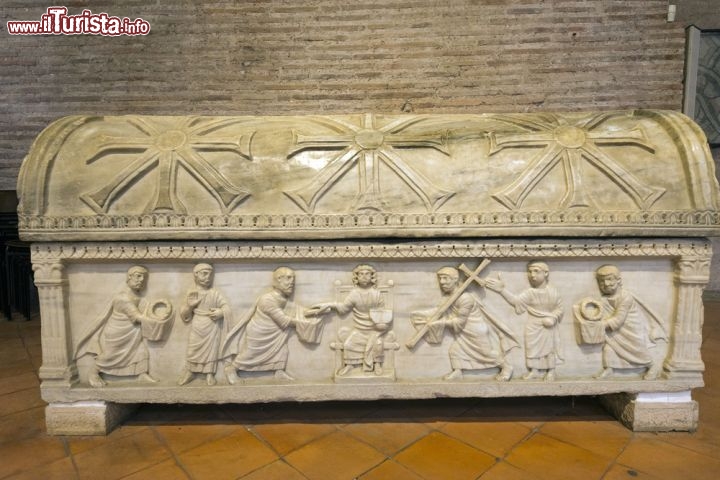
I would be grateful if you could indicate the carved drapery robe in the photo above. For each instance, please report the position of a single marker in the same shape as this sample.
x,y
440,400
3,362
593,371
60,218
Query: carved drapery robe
x,y
542,343
627,341
479,343
259,341
364,343
481,340
116,339
206,334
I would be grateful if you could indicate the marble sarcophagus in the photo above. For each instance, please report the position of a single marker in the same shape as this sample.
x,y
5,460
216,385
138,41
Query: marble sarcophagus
x,y
257,259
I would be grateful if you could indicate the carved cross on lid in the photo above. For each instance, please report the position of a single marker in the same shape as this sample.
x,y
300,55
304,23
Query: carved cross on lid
x,y
569,144
167,147
366,146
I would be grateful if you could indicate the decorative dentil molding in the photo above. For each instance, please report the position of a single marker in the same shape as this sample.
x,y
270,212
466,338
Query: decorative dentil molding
x,y
699,251
703,221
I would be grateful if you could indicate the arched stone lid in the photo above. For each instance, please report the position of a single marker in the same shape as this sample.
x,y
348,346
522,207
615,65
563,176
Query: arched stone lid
x,y
621,173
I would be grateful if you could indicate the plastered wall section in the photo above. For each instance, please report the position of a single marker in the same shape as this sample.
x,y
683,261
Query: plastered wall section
x,y
704,14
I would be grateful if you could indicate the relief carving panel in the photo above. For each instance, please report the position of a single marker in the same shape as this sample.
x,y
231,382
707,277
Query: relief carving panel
x,y
242,324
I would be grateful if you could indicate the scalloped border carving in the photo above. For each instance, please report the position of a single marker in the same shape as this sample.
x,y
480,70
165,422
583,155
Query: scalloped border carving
x,y
630,223
227,250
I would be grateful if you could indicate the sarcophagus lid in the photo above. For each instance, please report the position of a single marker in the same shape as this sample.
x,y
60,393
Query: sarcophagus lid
x,y
620,173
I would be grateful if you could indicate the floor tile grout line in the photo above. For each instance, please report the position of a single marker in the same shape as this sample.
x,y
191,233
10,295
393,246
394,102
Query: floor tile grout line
x,y
663,440
361,440
569,443
259,436
392,457
435,430
411,444
387,459
615,460
36,368
497,459
173,455
47,462
30,372
280,459
533,432
430,429
71,456
158,462
35,376
29,369
261,439
22,411
633,436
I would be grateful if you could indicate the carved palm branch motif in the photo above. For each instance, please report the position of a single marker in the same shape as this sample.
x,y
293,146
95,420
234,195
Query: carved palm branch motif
x,y
570,145
167,148
365,147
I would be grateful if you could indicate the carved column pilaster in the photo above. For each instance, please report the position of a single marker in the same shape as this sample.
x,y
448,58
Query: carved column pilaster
x,y
57,364
691,276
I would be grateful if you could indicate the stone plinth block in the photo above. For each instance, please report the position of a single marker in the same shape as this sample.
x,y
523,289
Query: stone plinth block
x,y
654,415
255,259
85,418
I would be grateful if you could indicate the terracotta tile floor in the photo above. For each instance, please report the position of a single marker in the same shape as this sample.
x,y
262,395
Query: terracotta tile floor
x,y
538,438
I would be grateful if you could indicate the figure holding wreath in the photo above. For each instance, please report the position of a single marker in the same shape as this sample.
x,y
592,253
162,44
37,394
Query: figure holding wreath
x,y
628,334
117,337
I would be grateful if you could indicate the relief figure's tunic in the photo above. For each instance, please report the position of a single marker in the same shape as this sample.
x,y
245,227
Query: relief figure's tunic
x,y
264,333
364,344
121,349
481,341
542,343
206,334
626,344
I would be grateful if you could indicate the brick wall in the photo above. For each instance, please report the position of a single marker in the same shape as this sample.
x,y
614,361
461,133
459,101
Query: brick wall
x,y
330,56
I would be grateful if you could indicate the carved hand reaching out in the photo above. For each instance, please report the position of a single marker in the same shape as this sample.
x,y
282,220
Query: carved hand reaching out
x,y
320,309
317,310
495,284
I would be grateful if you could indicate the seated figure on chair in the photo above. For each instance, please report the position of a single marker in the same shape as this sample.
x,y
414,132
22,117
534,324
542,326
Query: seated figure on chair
x,y
363,344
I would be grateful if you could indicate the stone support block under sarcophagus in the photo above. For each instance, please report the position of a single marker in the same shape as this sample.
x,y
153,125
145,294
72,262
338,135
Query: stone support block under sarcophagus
x,y
256,259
